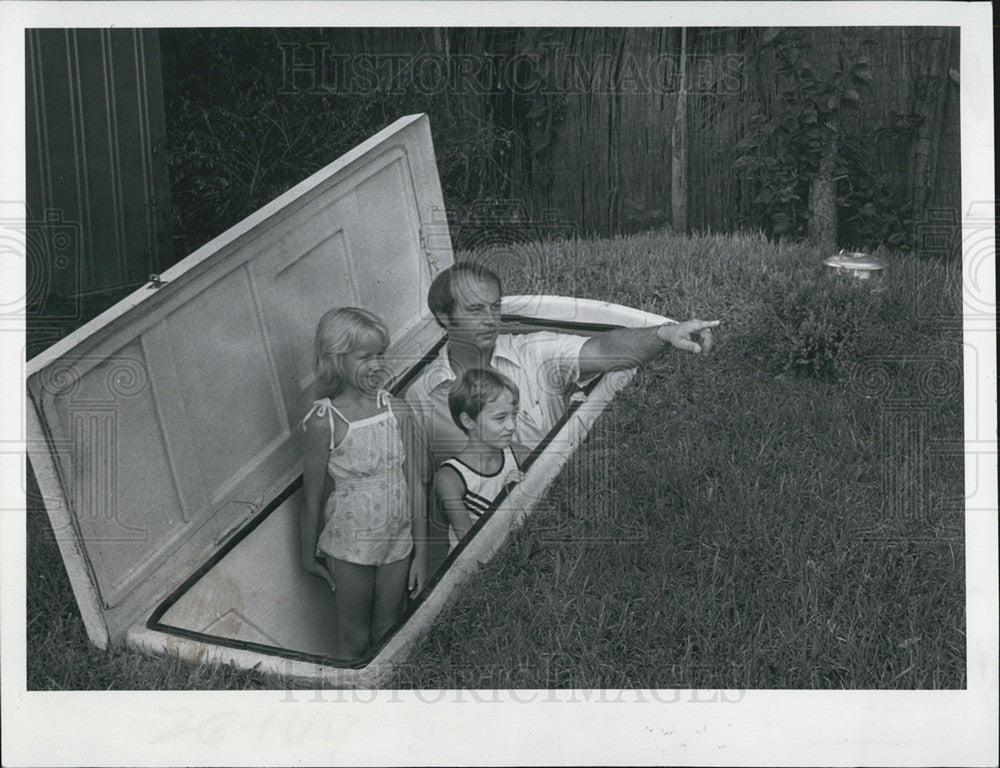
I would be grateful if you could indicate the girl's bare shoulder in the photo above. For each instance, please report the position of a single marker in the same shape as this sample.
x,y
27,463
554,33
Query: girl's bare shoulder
x,y
316,420
317,425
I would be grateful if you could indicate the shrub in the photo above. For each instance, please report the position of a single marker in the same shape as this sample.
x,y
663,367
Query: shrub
x,y
820,324
240,131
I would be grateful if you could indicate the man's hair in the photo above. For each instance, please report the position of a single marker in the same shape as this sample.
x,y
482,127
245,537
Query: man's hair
x,y
441,297
474,389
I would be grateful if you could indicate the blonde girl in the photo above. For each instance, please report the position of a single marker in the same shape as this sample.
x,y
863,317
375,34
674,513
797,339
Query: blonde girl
x,y
367,536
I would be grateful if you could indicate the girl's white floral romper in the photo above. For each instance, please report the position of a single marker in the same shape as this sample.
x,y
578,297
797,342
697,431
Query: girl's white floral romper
x,y
367,517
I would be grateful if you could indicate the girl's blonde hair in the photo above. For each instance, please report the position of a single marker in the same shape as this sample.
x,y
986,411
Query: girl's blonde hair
x,y
339,332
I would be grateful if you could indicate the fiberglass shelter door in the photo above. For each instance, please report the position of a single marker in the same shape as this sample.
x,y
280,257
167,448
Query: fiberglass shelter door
x,y
166,428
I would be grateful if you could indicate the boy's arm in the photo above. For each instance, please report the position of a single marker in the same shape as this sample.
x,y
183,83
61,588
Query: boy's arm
x,y
449,487
315,452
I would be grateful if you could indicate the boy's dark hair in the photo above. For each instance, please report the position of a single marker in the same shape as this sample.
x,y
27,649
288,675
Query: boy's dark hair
x,y
474,389
441,299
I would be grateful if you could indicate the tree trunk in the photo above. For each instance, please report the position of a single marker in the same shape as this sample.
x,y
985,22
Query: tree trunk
x,y
823,199
678,150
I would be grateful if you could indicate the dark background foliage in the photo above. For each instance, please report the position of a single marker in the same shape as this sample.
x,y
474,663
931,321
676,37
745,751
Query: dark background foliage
x,y
571,126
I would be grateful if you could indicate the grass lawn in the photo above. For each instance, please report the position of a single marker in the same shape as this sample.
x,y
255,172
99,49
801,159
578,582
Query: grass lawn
x,y
786,513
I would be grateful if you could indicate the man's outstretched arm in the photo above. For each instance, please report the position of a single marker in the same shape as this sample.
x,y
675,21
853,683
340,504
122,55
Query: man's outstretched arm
x,y
629,347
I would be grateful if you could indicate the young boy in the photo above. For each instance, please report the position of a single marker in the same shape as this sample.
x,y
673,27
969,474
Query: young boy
x,y
483,403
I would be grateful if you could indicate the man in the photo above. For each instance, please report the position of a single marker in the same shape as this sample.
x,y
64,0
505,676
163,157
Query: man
x,y
465,300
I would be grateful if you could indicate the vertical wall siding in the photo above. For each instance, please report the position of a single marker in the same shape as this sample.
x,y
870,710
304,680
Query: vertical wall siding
x,y
95,132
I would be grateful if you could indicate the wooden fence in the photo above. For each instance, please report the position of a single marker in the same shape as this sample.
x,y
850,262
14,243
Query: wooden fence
x,y
609,168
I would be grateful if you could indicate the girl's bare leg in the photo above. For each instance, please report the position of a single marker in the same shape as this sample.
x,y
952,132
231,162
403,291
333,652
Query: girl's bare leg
x,y
355,590
390,585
